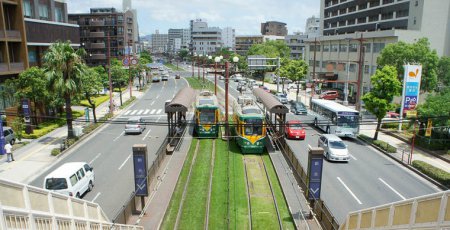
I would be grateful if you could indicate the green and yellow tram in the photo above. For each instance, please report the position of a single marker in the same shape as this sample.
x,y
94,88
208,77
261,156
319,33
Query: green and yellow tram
x,y
207,115
250,128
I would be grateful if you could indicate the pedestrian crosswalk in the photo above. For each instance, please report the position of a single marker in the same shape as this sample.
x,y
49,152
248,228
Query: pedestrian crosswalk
x,y
140,112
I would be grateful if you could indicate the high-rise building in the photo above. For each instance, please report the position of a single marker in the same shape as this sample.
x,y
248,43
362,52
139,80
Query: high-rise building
x,y
172,36
186,39
274,28
126,6
51,17
229,38
378,23
97,26
160,42
204,39
312,27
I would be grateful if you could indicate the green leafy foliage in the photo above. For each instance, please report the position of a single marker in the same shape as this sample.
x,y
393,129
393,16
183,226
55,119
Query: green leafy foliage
x,y
438,107
385,146
385,87
295,70
270,49
443,71
397,54
55,152
18,126
437,174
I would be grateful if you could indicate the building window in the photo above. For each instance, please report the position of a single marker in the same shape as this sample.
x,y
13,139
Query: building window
x,y
311,48
43,11
367,47
334,48
377,47
352,68
353,48
366,69
416,3
59,15
414,21
27,12
343,48
326,48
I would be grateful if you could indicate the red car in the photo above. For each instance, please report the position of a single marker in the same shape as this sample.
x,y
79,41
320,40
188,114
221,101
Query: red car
x,y
329,95
295,130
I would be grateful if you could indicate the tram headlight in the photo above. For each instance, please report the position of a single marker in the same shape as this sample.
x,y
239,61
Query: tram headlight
x,y
247,143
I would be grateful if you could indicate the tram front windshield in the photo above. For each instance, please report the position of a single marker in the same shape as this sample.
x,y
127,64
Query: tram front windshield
x,y
207,116
253,127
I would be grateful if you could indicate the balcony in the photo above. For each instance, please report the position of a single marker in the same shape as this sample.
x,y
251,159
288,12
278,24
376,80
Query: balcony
x,y
3,67
97,23
97,56
97,34
99,45
13,34
17,66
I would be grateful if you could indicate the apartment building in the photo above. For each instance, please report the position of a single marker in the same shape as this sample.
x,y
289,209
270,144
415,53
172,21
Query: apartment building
x,y
312,27
274,28
229,38
101,25
178,39
160,42
378,22
50,16
204,40
296,44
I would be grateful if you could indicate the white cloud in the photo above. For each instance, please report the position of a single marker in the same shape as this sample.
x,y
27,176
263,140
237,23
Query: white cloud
x,y
243,15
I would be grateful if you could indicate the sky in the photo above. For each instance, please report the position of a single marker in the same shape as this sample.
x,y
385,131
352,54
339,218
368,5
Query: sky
x,y
245,16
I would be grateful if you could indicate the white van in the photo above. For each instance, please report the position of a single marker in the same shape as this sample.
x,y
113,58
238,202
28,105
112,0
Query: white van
x,y
72,179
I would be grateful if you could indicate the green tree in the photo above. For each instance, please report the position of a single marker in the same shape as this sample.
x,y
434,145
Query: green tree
x,y
119,76
443,71
145,54
436,107
400,53
64,69
182,54
92,84
18,126
270,49
379,100
295,70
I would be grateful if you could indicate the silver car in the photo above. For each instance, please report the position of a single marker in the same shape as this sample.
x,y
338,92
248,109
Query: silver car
x,y
334,148
135,125
9,135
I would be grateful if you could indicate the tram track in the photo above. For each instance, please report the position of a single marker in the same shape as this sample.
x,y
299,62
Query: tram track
x,y
254,164
211,173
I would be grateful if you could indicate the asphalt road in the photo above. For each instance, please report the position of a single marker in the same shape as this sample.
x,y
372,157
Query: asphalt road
x,y
110,151
369,179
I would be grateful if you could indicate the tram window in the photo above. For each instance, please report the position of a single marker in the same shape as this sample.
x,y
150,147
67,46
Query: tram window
x,y
207,116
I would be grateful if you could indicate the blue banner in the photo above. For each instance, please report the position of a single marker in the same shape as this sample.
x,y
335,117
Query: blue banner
x,y
314,190
2,138
140,175
316,169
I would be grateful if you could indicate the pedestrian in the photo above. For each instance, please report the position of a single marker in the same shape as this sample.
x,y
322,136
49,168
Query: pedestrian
x,y
9,154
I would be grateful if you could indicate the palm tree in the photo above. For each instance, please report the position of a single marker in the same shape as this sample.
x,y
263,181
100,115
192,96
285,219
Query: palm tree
x,y
64,69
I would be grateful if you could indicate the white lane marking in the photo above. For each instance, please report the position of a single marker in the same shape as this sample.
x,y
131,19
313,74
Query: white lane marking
x,y
96,196
159,111
350,191
115,139
158,118
390,187
153,102
127,112
95,158
134,112
140,112
153,111
147,111
354,158
157,96
124,162
146,134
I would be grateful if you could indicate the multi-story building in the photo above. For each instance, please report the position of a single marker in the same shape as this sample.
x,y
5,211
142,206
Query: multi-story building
x,y
50,16
296,44
204,39
378,22
229,38
312,27
101,25
160,42
126,6
274,28
244,42
186,39
174,34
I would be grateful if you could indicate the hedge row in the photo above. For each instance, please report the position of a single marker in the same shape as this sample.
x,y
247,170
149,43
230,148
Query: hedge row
x,y
437,174
383,145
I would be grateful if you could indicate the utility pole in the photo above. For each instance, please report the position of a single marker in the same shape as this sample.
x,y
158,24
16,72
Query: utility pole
x,y
361,64
314,73
111,106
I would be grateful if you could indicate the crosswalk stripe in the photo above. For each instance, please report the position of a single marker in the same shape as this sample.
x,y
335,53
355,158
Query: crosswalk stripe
x,y
140,112
134,112
153,111
147,111
159,111
127,112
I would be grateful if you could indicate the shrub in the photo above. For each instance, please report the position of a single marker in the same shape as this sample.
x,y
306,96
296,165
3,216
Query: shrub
x,y
365,138
437,174
129,101
385,146
98,99
56,152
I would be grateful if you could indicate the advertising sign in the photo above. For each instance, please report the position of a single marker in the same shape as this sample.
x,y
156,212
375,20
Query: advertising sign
x,y
140,169
429,128
411,86
316,169
26,108
2,138
314,175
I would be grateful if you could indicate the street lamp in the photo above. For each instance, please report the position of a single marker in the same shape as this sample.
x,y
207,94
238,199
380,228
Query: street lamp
x,y
216,60
235,60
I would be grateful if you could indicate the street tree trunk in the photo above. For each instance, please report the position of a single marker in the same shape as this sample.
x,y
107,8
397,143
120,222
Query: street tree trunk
x,y
88,97
375,137
69,117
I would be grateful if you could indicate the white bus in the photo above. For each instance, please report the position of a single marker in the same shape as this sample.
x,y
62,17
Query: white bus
x,y
335,118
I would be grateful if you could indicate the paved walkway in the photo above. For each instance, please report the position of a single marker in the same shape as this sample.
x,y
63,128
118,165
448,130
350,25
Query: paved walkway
x,y
36,157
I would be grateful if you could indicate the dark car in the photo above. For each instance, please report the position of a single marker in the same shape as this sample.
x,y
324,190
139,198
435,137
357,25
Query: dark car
x,y
298,108
177,76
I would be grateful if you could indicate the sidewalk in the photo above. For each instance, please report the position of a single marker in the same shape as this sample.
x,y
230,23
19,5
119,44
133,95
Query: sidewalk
x,y
35,157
